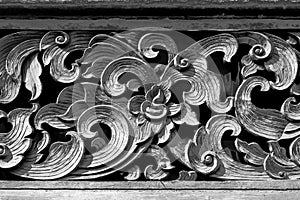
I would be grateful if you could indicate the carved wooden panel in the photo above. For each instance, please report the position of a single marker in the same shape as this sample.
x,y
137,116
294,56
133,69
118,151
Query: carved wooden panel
x,y
149,99
149,104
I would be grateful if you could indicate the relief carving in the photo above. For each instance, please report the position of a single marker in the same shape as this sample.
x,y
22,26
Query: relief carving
x,y
150,104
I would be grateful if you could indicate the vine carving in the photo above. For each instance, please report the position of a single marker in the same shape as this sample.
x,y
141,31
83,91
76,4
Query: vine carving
x,y
150,104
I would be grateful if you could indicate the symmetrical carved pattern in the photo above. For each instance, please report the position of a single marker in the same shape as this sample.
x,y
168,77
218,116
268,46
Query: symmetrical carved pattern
x,y
150,104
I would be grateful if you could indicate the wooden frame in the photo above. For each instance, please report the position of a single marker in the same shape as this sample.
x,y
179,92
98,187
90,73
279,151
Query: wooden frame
x,y
191,16
153,190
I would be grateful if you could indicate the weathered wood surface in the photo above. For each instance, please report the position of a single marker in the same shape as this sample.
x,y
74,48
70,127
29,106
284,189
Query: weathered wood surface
x,y
156,3
126,24
225,15
149,195
152,185
149,190
148,8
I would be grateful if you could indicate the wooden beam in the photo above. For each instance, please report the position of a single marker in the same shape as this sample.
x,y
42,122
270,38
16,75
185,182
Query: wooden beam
x,y
146,195
126,24
281,185
148,8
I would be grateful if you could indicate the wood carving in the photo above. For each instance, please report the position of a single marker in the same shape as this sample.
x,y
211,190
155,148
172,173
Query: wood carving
x,y
150,104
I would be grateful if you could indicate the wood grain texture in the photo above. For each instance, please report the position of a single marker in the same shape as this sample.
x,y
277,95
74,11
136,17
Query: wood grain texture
x,y
155,3
148,8
185,15
126,24
152,185
149,190
138,194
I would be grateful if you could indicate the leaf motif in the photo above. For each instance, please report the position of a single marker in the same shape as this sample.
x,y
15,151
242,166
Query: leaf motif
x,y
165,136
283,63
254,153
207,155
267,123
56,46
199,154
278,152
41,145
63,158
32,80
14,50
148,129
15,142
107,64
149,40
295,151
261,49
191,65
74,111
274,168
277,169
114,70
277,56
120,151
278,165
70,103
102,50
290,109
163,164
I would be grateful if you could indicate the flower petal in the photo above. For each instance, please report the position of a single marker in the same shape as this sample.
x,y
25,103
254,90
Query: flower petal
x,y
134,85
156,112
166,133
157,127
174,108
165,86
145,132
168,95
140,119
159,98
148,129
152,93
134,104
146,104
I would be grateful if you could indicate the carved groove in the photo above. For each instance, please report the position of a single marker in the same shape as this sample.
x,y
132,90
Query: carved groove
x,y
150,104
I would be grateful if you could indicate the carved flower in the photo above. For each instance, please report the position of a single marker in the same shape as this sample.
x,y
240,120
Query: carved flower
x,y
156,111
152,106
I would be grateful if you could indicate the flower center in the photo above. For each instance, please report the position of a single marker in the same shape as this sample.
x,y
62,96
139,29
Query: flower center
x,y
156,112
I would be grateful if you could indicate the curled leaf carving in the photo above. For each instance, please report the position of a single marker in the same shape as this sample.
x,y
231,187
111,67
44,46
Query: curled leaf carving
x,y
254,153
191,65
57,45
111,73
14,50
148,41
268,123
141,105
63,159
16,142
163,164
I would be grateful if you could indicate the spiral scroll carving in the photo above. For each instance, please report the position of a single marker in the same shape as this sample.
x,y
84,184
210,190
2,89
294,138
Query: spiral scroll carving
x,y
149,104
